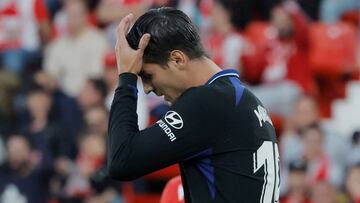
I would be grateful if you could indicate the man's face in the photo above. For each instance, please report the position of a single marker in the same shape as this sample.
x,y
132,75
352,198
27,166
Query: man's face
x,y
162,80
220,17
18,151
323,192
38,103
75,11
97,120
305,113
282,21
89,96
312,144
297,181
353,183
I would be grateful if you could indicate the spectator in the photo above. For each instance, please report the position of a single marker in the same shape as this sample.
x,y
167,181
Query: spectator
x,y
304,114
90,158
292,28
24,28
226,45
65,110
81,183
9,82
21,170
110,12
320,165
97,120
284,71
51,139
323,192
60,17
76,56
297,188
352,183
92,94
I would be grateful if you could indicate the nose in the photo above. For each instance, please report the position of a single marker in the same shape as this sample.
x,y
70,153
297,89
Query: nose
x,y
147,87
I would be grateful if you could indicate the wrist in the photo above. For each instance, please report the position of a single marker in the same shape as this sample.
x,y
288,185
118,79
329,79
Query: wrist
x,y
127,78
127,71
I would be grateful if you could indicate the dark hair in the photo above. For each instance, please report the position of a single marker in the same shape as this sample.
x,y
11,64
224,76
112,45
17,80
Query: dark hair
x,y
312,126
26,137
356,137
240,11
298,166
35,88
170,29
100,86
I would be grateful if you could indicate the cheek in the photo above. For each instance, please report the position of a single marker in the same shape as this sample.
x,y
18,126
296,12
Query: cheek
x,y
159,82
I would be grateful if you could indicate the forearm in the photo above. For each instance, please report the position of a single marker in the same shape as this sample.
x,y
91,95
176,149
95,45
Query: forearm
x,y
122,124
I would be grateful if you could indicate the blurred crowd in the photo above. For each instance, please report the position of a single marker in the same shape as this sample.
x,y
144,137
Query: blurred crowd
x,y
58,75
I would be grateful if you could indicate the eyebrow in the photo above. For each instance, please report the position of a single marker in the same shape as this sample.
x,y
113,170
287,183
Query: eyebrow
x,y
141,73
144,74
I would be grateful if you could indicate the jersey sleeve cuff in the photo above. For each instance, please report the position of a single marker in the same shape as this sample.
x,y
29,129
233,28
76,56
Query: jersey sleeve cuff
x,y
127,79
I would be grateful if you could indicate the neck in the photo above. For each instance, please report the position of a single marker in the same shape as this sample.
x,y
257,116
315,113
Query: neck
x,y
201,70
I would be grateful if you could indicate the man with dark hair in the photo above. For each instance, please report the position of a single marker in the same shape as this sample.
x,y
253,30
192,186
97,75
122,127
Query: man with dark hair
x,y
23,177
216,129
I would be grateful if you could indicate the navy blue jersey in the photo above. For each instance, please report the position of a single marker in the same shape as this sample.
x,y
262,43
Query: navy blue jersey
x,y
219,133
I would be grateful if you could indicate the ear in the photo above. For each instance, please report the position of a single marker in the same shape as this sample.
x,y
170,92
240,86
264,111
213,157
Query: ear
x,y
178,58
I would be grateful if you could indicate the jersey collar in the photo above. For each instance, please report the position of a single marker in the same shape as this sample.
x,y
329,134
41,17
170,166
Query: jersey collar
x,y
228,72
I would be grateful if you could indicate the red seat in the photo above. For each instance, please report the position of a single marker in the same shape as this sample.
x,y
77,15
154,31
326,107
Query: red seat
x,y
258,33
131,196
173,191
352,17
332,57
164,174
332,48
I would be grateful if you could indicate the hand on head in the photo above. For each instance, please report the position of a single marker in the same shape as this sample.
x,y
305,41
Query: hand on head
x,y
128,59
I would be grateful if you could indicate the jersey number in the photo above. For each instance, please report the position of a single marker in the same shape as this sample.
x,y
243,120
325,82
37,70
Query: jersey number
x,y
268,156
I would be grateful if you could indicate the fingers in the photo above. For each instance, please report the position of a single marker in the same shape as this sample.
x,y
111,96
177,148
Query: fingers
x,y
144,41
123,29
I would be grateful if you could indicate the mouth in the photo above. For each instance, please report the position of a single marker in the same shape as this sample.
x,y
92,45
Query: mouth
x,y
162,95
166,98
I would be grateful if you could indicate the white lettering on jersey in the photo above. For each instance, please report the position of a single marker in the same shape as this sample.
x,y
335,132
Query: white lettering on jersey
x,y
262,115
167,130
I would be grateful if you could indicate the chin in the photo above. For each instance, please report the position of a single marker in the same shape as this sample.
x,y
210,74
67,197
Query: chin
x,y
169,100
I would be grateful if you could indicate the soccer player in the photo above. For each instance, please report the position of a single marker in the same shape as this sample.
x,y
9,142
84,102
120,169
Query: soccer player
x,y
216,129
